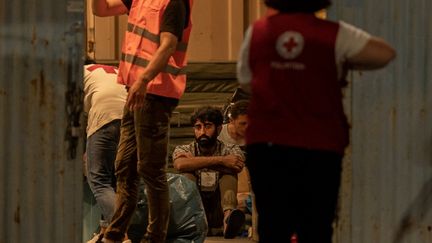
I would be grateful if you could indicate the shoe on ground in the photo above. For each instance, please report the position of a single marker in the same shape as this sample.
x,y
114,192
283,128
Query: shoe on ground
x,y
97,238
234,223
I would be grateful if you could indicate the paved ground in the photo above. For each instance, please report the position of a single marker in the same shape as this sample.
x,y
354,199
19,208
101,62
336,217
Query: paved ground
x,y
213,239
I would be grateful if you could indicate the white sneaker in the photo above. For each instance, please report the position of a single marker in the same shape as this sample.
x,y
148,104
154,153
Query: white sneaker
x,y
95,239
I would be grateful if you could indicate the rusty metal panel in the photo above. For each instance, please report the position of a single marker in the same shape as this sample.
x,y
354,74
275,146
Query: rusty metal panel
x,y
387,186
41,170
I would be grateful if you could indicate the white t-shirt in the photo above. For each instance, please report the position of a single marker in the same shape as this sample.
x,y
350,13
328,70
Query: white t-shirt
x,y
225,137
349,41
104,98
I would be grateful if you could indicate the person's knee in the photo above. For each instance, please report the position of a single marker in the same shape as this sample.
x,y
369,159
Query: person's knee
x,y
229,200
146,169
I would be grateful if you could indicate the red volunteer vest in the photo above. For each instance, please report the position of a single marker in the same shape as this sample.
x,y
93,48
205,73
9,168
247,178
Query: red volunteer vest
x,y
297,99
141,42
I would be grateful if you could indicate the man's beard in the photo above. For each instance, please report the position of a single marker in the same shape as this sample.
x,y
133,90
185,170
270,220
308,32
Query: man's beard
x,y
205,141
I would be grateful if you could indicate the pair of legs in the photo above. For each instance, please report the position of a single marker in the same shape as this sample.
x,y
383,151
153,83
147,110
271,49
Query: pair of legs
x,y
142,153
101,152
219,204
310,180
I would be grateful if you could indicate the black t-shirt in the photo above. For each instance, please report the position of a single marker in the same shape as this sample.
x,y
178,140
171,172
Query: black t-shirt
x,y
175,19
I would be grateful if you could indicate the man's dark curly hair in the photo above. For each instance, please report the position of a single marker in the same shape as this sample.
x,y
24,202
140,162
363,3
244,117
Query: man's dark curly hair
x,y
207,113
298,6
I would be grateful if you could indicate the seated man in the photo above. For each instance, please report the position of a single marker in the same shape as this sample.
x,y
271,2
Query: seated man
x,y
213,166
234,131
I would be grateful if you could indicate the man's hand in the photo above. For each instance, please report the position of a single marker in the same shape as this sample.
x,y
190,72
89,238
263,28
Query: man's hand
x,y
233,162
136,95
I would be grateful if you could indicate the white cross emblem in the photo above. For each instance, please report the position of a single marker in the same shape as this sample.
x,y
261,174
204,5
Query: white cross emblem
x,y
289,44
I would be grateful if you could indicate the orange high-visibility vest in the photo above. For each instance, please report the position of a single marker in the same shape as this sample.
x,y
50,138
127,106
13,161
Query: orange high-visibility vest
x,y
141,41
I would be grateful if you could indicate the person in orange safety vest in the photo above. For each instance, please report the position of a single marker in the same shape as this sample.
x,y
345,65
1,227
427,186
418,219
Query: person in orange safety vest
x,y
152,68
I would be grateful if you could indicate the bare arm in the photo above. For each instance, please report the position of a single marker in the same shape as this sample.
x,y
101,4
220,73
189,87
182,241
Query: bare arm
x,y
103,8
377,53
190,163
168,45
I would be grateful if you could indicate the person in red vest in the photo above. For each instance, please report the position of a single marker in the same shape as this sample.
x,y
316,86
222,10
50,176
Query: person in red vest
x,y
294,64
152,68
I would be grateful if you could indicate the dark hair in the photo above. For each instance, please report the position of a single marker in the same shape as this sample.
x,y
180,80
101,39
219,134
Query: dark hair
x,y
88,61
296,6
207,113
239,108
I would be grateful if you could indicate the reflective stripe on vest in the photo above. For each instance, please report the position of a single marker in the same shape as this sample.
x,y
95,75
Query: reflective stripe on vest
x,y
141,42
181,46
135,60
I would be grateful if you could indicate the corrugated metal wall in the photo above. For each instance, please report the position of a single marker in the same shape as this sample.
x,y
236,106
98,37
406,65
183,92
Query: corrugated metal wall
x,y
40,74
387,195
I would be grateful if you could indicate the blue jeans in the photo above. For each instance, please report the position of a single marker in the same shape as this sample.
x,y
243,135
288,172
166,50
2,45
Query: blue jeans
x,y
101,154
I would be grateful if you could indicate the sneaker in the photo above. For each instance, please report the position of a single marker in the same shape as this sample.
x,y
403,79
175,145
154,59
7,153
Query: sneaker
x,y
96,238
234,222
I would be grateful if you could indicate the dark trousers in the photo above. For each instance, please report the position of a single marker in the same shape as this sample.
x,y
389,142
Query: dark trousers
x,y
296,190
142,153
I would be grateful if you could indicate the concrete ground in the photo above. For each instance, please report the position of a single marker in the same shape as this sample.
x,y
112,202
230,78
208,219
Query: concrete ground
x,y
215,239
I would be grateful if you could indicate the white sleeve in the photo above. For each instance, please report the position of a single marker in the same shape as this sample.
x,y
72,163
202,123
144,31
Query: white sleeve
x,y
349,41
244,74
